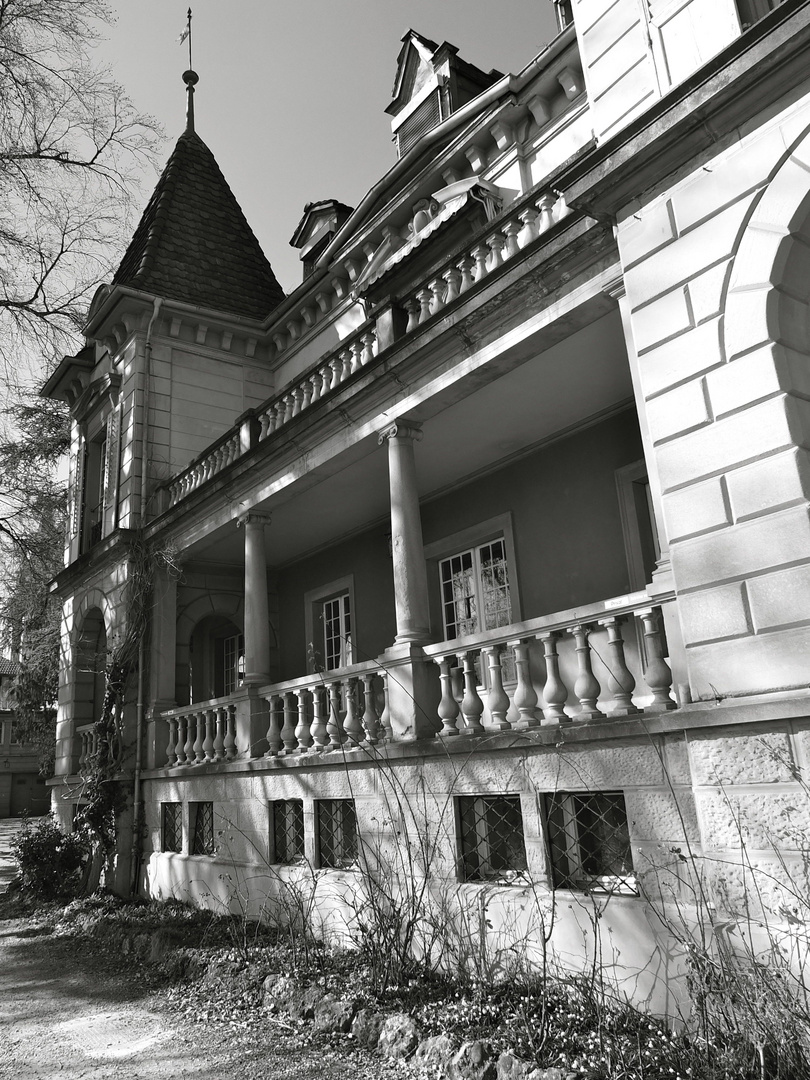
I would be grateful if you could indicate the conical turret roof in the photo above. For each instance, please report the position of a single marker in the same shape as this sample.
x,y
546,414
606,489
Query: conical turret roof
x,y
194,244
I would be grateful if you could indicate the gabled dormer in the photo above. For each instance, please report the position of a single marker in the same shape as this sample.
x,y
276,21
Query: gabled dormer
x,y
432,82
320,222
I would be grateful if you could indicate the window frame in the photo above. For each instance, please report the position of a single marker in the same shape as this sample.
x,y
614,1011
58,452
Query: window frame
x,y
345,861
273,808
475,536
505,876
580,880
210,848
314,603
178,826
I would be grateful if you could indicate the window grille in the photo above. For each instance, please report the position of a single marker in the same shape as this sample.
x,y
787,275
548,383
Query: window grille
x,y
589,842
337,632
202,828
337,832
491,835
424,117
288,830
475,590
172,826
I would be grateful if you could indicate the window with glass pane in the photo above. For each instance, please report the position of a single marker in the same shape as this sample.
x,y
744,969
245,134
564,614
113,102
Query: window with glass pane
x,y
202,828
475,590
172,826
589,841
337,832
287,818
491,836
337,632
230,664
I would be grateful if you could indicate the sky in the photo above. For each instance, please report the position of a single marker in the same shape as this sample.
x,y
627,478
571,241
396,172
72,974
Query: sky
x,y
292,93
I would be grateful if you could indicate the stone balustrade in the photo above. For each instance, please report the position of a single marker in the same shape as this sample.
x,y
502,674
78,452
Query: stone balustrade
x,y
87,744
222,453
495,248
328,711
201,734
604,662
331,370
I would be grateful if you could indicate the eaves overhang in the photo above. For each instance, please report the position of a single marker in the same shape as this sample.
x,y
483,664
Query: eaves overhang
x,y
753,72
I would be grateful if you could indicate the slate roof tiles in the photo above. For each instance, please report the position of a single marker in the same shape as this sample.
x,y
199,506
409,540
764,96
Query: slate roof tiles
x,y
194,244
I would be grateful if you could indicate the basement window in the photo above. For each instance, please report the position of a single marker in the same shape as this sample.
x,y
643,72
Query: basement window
x,y
202,828
337,833
287,830
171,826
492,846
589,842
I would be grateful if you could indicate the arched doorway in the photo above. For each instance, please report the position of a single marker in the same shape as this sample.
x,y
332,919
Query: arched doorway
x,y
216,658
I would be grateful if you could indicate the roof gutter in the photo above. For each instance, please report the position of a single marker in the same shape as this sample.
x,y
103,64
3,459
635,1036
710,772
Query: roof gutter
x,y
509,84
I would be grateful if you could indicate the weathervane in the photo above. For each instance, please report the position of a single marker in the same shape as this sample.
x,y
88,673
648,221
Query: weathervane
x,y
190,77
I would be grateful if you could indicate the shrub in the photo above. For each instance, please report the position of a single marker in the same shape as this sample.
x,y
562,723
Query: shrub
x,y
49,862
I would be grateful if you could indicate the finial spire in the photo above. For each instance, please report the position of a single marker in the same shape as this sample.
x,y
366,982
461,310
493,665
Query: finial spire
x,y
190,77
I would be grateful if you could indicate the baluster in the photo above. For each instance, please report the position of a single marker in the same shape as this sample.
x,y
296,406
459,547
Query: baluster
x,y
371,721
303,736
274,726
480,254
437,290
337,369
465,268
289,407
586,686
208,742
317,381
188,749
529,219
171,749
546,206
658,675
307,390
351,723
497,244
357,355
219,734
621,683
497,699
525,698
290,723
413,307
180,748
448,706
327,375
318,728
385,716
199,738
230,733
555,691
424,296
369,341
452,279
82,750
298,397
471,704
334,724
511,230
346,360
264,425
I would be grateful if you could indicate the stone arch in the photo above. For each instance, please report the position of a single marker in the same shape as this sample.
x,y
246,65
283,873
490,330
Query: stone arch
x,y
765,304
215,615
92,599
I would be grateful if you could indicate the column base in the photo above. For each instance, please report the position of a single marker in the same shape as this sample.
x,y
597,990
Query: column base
x,y
413,692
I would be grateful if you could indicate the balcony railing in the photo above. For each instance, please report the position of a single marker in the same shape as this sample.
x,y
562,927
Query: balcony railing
x,y
87,745
202,733
588,664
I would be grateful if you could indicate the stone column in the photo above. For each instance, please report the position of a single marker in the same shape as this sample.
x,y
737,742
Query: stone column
x,y
407,548
257,616
162,665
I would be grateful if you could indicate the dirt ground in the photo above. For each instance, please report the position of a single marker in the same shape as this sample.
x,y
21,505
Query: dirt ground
x,y
76,1010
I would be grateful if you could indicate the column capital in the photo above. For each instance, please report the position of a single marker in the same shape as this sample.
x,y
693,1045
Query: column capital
x,y
401,429
253,518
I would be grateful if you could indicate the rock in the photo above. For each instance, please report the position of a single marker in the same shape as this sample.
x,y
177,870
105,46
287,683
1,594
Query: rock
x,y
282,993
310,1000
434,1054
399,1036
510,1067
473,1062
366,1028
332,1014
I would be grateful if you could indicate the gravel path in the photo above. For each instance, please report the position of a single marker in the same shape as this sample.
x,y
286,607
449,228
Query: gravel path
x,y
72,1010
